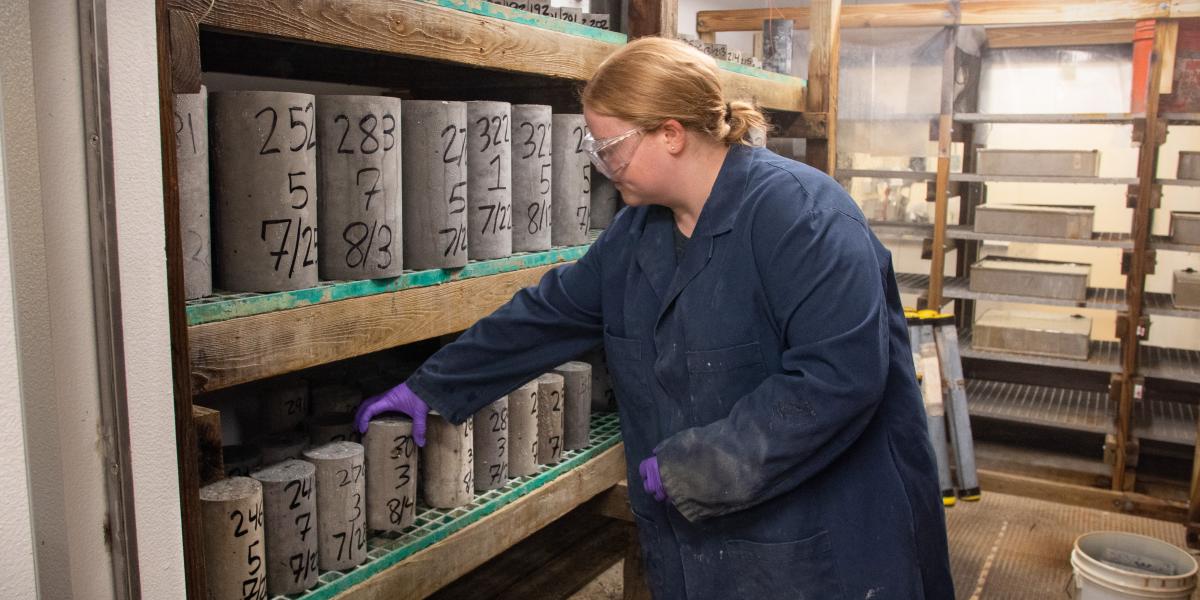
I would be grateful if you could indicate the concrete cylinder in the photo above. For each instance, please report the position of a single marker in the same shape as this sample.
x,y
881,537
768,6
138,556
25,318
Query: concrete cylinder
x,y
333,427
572,182
532,177
291,522
435,184
334,398
550,419
523,430
391,473
447,462
241,459
234,548
341,504
777,45
277,447
191,162
358,149
284,404
606,201
489,188
491,445
264,181
577,404
603,397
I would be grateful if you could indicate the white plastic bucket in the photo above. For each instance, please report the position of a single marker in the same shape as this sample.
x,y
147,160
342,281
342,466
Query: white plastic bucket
x,y
1111,565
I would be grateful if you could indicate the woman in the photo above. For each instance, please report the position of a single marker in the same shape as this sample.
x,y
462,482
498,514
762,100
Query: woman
x,y
758,350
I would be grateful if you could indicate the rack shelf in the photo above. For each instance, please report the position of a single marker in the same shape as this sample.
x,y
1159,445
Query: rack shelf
x,y
1161,304
466,32
903,231
1180,182
1065,118
1100,298
246,337
1100,239
1105,357
1166,421
1162,242
975,178
1174,364
886,174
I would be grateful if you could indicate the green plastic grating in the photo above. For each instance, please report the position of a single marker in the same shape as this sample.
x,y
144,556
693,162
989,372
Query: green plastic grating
x,y
222,306
433,525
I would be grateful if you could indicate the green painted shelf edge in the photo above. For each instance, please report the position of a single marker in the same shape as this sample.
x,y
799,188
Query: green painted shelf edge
x,y
605,435
231,306
516,15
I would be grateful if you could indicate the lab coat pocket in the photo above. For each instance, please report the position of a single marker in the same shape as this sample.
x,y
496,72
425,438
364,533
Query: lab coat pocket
x,y
718,378
799,570
627,363
652,556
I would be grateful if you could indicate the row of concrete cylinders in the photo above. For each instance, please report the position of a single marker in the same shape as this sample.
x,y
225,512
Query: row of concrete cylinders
x,y
388,186
274,531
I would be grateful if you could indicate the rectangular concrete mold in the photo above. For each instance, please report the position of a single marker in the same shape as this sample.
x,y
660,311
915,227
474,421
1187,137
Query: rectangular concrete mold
x,y
1043,279
1189,165
1185,227
1039,163
1045,221
1037,333
1185,289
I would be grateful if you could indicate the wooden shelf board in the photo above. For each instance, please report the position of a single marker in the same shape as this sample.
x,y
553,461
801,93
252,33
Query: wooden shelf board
x,y
1098,298
976,178
458,540
1098,239
1064,119
1105,357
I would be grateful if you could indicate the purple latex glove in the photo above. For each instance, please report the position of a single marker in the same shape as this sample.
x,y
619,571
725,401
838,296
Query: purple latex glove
x,y
651,480
399,399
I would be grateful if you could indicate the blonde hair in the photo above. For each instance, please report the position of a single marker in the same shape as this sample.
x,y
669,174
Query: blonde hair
x,y
653,79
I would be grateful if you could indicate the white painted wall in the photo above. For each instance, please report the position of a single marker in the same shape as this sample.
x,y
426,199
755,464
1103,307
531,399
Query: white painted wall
x,y
18,574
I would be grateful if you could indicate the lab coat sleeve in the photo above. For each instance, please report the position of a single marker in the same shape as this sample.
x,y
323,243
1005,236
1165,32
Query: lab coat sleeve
x,y
540,328
825,291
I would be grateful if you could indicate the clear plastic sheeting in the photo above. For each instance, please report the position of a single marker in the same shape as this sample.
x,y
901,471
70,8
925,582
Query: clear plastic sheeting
x,y
1090,79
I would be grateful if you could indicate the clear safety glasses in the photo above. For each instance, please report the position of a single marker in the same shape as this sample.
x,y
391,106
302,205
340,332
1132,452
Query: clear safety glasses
x,y
611,155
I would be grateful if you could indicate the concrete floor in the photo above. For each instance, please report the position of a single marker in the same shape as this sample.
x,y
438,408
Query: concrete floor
x,y
1003,547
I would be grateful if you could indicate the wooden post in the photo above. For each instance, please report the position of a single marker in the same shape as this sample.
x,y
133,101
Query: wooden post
x,y
653,17
1135,281
823,49
942,186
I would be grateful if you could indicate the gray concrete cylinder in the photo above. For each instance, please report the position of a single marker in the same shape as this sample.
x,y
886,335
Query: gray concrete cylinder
x,y
264,181
241,459
603,397
532,177
523,430
284,404
489,188
447,462
435,184
572,182
333,427
358,150
391,473
606,201
334,398
234,546
577,404
491,445
277,447
341,504
291,512
550,419
191,162
777,45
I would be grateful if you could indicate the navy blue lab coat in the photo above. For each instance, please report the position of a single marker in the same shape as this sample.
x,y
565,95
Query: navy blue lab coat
x,y
769,371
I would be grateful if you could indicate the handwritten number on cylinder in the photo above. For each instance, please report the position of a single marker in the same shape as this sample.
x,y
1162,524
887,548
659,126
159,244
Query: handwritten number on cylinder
x,y
270,134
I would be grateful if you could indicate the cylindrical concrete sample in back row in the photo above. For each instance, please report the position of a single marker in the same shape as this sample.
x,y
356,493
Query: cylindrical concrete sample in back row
x,y
523,430
334,398
191,162
241,459
577,401
284,404
281,446
391,473
332,427
606,201
435,184
491,445
358,142
550,419
341,504
489,188
572,182
264,184
291,522
532,177
447,462
234,548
